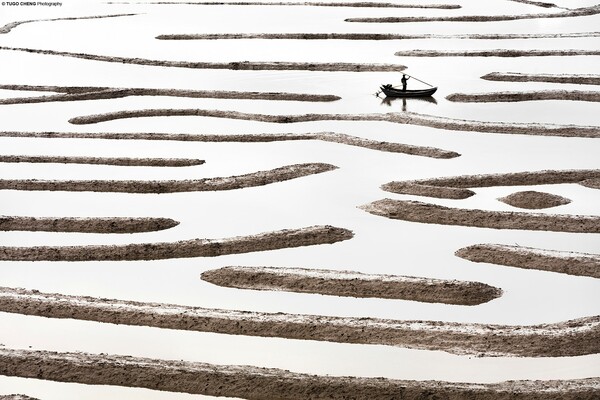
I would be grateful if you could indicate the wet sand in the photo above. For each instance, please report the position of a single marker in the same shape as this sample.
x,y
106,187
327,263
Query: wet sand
x,y
16,397
253,179
87,225
353,284
536,3
552,78
564,339
418,189
121,161
593,183
497,53
571,263
287,238
416,211
360,4
9,27
571,95
533,200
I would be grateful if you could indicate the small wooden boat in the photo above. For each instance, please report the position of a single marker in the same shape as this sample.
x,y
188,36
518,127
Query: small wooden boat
x,y
391,91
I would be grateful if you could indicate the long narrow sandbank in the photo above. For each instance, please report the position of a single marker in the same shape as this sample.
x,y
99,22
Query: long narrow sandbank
x,y
359,4
9,27
416,211
119,161
497,53
98,93
571,95
564,262
353,284
234,65
87,225
287,238
243,381
456,187
399,118
253,179
564,339
536,3
332,137
577,12
593,183
551,78
16,397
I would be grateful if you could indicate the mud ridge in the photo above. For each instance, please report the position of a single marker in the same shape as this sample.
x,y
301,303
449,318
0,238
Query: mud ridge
x,y
353,284
536,3
99,93
86,225
416,211
591,183
533,200
456,187
253,179
120,161
8,27
497,53
399,118
287,238
360,4
234,65
16,397
564,262
572,95
564,339
578,12
556,78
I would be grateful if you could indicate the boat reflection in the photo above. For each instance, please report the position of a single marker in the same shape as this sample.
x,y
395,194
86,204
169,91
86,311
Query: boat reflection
x,y
388,101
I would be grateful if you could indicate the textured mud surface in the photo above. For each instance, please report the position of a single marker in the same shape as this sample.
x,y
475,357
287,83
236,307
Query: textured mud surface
x,y
16,397
353,284
416,211
571,263
122,161
572,95
536,3
533,200
267,383
564,339
399,118
9,27
253,179
497,53
360,4
593,183
321,234
562,78
87,225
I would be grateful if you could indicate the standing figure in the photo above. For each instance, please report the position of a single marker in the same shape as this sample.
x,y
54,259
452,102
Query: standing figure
x,y
404,80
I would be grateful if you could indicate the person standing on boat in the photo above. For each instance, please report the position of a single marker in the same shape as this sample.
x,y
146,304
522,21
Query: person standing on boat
x,y
404,80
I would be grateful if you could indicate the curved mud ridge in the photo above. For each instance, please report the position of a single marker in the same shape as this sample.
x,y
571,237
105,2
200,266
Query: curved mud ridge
x,y
70,93
253,179
118,161
353,284
399,118
551,78
87,225
360,4
572,95
9,27
577,12
234,65
287,238
536,3
564,262
497,53
532,200
332,137
242,381
455,187
564,339
416,211
593,183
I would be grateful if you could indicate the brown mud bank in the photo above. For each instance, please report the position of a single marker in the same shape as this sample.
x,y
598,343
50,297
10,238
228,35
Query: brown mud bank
x,y
353,284
571,95
564,339
287,238
359,4
536,3
564,262
9,27
456,187
331,137
593,183
497,53
533,200
79,93
16,397
577,12
234,65
253,179
551,78
416,211
117,161
398,118
86,225
248,382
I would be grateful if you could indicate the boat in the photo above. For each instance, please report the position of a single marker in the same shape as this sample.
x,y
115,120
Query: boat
x,y
391,91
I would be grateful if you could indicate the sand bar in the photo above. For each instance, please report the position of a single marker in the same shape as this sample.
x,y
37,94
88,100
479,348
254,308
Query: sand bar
x,y
497,53
552,78
533,200
8,27
571,95
87,225
353,284
593,183
120,161
564,339
536,3
16,397
360,4
416,211
564,262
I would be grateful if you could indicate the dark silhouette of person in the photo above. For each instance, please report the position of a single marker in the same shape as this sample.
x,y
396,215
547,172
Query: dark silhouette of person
x,y
404,80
